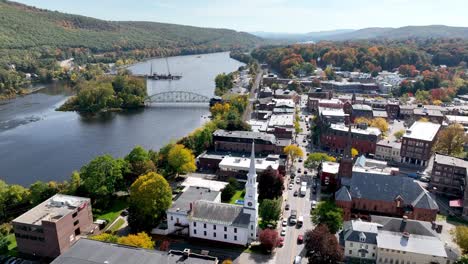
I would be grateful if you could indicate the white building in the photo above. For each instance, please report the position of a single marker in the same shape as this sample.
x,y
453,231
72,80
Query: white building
x,y
394,240
388,150
199,213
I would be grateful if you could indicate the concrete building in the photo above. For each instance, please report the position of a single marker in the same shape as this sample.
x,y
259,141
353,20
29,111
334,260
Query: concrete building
x,y
381,194
388,150
238,167
241,141
87,251
394,240
417,142
51,227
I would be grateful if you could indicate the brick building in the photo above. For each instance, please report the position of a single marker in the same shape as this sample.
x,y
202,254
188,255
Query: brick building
x,y
241,141
417,142
361,110
363,138
449,175
386,195
53,226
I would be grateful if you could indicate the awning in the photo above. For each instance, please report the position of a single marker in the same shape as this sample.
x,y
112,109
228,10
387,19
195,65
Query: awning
x,y
456,203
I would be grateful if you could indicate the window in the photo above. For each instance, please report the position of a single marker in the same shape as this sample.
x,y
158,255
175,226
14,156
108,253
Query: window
x,y
204,225
76,222
214,227
350,252
195,224
214,234
235,237
225,229
204,233
194,231
77,231
74,214
225,236
235,229
351,244
251,227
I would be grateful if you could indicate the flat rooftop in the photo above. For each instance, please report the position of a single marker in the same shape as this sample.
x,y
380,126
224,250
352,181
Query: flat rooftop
x,y
236,163
330,167
418,244
331,111
52,209
245,134
422,130
451,161
286,120
457,119
87,251
368,131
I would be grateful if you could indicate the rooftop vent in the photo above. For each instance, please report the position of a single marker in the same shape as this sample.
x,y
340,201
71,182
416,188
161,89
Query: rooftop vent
x,y
186,252
408,131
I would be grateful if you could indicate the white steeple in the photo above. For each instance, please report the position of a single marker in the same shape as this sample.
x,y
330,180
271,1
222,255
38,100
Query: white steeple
x,y
251,196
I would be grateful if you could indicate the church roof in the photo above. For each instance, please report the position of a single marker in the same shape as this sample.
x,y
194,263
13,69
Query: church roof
x,y
220,213
343,195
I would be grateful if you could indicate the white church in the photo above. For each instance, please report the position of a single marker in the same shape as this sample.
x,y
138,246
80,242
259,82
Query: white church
x,y
198,212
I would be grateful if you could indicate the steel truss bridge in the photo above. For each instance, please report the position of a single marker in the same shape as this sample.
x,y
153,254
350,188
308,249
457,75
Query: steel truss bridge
x,y
177,97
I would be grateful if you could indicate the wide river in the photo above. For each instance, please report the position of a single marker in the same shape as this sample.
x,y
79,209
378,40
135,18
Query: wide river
x,y
39,143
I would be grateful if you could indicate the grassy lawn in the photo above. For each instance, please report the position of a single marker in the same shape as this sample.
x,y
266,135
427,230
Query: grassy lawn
x,y
115,227
12,251
239,195
114,211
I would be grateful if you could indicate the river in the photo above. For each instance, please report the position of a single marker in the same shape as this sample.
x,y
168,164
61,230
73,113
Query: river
x,y
39,143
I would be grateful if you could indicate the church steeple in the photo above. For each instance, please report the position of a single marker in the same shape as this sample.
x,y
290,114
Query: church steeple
x,y
346,163
251,196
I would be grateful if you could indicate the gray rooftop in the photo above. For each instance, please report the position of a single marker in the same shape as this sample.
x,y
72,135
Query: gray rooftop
x,y
245,134
362,107
422,130
343,195
379,113
86,251
356,229
388,188
428,112
451,161
394,224
414,243
52,209
192,194
220,213
389,143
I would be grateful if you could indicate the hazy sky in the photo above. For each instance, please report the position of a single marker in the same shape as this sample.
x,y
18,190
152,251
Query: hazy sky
x,y
272,15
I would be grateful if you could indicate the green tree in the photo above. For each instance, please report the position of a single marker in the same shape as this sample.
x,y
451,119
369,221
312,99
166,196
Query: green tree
x,y
139,161
327,213
270,210
105,237
41,191
399,134
227,193
150,197
314,159
94,96
181,159
461,237
102,177
463,260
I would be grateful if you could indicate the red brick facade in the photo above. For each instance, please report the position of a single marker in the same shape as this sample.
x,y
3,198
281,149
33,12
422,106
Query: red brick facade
x,y
338,143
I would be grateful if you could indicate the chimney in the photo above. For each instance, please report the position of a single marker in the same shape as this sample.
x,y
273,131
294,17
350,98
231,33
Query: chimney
x,y
403,224
186,252
191,207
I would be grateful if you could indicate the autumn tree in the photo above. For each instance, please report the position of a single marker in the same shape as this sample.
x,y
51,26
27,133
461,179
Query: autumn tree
x,y
293,152
181,159
423,119
220,109
322,246
328,214
451,141
139,162
354,152
270,184
379,123
41,191
399,134
268,239
150,197
141,240
270,210
314,159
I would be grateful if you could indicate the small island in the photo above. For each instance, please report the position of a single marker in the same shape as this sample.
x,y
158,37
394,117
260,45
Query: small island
x,y
107,93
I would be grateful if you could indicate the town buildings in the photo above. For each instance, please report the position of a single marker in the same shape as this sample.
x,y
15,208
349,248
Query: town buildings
x,y
394,240
382,194
388,150
449,175
51,227
87,251
417,142
364,138
240,141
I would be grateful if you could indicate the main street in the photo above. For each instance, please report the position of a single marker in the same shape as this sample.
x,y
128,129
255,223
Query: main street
x,y
302,204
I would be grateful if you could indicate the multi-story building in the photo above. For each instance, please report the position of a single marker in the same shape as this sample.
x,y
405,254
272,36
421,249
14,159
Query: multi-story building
x,y
433,115
394,240
361,110
393,110
381,194
388,150
53,226
319,93
350,87
449,175
417,142
364,139
241,141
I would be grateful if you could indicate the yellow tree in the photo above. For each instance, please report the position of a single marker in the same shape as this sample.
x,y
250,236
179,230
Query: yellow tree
x,y
379,123
423,119
220,109
360,120
437,102
451,140
181,159
141,240
461,237
354,152
293,152
399,134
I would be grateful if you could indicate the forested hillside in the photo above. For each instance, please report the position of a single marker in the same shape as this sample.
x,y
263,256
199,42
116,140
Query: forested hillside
x,y
32,40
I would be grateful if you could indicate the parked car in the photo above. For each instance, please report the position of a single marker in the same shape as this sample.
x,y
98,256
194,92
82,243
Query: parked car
x,y
305,172
314,204
300,160
124,212
300,239
286,207
284,223
281,242
425,179
296,193
297,260
299,170
298,180
290,186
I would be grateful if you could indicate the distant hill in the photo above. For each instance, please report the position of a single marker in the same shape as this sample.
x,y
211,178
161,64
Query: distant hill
x,y
23,27
421,32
